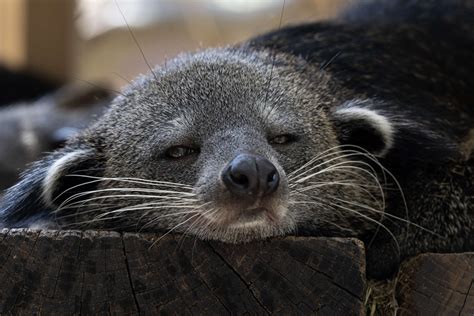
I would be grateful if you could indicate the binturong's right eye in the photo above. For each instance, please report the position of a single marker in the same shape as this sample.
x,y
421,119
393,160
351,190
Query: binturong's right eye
x,y
283,139
177,152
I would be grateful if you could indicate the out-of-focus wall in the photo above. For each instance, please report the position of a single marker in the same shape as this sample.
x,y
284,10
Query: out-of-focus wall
x,y
38,35
114,54
53,37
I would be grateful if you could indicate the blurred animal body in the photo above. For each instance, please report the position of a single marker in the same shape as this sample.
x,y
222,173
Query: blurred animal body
x,y
30,129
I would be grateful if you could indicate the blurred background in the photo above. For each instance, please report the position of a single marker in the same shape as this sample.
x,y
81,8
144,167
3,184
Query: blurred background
x,y
61,60
88,39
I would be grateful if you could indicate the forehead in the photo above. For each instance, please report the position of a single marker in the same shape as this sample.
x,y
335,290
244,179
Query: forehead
x,y
215,90
232,88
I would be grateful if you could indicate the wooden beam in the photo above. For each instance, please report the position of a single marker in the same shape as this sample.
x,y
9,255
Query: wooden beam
x,y
91,272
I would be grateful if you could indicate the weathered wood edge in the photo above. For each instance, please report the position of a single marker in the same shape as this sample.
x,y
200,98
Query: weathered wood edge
x,y
74,272
437,284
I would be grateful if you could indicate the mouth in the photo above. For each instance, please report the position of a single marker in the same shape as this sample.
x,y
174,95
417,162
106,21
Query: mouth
x,y
243,225
246,218
257,214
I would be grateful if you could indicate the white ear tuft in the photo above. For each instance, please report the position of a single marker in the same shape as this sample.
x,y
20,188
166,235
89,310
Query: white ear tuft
x,y
58,169
356,116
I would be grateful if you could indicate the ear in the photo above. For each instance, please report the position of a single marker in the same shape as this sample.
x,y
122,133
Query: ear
x,y
47,184
65,176
357,124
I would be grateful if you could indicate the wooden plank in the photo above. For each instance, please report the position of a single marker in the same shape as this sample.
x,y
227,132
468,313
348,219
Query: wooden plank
x,y
437,284
92,272
301,275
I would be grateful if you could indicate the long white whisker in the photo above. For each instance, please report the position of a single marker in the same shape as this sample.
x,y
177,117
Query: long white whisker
x,y
322,219
176,226
105,217
156,219
361,187
133,180
150,207
341,154
177,196
210,212
342,163
388,215
365,217
126,180
344,166
385,170
320,156
194,207
89,210
325,162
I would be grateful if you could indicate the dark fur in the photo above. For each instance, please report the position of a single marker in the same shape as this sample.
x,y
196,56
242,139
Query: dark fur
x,y
408,71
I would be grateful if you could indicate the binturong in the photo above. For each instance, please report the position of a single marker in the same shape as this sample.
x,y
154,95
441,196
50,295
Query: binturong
x,y
358,127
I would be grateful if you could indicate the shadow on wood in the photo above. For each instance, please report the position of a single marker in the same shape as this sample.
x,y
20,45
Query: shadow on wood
x,y
64,272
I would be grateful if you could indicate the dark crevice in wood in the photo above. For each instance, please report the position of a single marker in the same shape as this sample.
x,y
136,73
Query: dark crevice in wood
x,y
129,274
248,285
465,299
332,280
22,290
45,295
212,292
82,292
59,270
79,254
301,291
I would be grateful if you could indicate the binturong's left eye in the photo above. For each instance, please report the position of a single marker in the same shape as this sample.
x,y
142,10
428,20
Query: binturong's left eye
x,y
177,152
282,139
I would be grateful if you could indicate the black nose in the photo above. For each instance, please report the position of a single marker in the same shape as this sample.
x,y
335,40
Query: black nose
x,y
251,175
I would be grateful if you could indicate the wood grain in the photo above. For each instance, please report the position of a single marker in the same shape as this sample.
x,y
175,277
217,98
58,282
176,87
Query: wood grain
x,y
92,272
437,284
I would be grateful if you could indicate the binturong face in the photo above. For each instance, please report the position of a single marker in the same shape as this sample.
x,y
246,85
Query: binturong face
x,y
223,145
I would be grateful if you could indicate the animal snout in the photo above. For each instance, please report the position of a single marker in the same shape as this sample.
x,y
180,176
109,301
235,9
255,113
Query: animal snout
x,y
250,175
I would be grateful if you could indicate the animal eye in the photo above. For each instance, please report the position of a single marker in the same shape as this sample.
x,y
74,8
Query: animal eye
x,y
177,152
282,139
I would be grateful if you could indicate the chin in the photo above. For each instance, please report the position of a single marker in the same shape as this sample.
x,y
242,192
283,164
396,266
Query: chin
x,y
260,225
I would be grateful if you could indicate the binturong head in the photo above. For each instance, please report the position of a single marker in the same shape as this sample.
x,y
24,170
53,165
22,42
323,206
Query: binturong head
x,y
225,144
